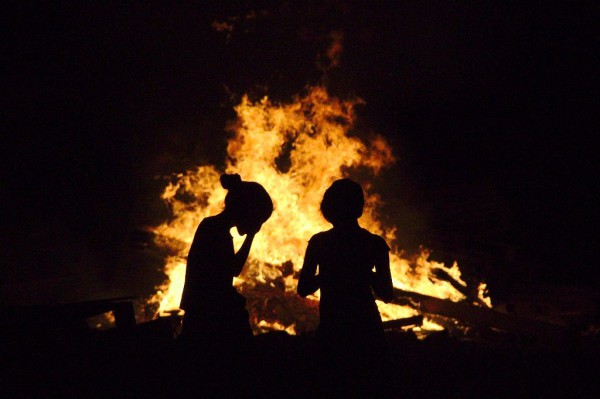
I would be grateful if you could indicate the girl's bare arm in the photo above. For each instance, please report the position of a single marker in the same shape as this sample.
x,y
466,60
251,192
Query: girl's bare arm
x,y
382,278
242,255
308,282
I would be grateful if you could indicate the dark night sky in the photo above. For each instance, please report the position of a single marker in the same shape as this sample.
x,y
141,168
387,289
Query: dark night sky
x,y
489,108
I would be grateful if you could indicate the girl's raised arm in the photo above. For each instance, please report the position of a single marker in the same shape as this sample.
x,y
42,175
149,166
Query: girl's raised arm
x,y
242,255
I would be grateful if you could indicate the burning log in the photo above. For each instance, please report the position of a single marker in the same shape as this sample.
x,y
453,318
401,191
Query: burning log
x,y
468,290
483,317
414,321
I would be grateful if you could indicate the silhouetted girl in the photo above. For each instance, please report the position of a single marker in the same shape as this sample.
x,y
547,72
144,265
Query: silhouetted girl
x,y
350,332
216,322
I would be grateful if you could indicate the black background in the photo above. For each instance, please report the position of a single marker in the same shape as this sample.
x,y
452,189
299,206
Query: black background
x,y
489,107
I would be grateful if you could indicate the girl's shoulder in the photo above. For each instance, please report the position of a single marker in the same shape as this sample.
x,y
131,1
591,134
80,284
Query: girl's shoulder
x,y
362,237
321,236
207,223
211,226
375,240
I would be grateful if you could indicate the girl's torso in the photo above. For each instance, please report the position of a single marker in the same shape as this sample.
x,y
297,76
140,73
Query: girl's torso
x,y
346,260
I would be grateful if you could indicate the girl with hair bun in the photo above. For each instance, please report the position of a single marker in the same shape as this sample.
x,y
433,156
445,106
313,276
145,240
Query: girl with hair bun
x,y
216,321
350,335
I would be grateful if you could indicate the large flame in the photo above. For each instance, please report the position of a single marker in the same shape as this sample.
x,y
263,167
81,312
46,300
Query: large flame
x,y
296,150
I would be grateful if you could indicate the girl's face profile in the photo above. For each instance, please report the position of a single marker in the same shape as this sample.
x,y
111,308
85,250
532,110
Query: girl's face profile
x,y
248,225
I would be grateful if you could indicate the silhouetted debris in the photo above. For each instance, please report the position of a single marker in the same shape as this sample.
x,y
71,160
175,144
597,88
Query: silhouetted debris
x,y
540,332
15,320
70,359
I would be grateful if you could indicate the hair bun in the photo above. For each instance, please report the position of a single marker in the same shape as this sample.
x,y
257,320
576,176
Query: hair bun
x,y
230,181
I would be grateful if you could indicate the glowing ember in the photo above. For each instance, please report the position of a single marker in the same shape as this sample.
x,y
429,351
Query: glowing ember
x,y
296,151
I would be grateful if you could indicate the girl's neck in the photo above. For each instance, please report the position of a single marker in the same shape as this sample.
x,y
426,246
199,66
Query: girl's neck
x,y
346,225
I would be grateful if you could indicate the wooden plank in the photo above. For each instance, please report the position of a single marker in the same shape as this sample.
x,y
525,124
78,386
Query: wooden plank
x,y
483,317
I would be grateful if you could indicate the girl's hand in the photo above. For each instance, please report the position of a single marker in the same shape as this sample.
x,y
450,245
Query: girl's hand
x,y
248,229
253,229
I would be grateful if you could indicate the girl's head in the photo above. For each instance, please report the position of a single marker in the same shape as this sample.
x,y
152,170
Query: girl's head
x,y
343,201
248,203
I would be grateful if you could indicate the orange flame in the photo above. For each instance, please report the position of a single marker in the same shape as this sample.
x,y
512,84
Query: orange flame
x,y
296,151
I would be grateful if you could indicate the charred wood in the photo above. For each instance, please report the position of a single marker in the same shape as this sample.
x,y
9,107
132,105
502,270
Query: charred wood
x,y
414,321
482,317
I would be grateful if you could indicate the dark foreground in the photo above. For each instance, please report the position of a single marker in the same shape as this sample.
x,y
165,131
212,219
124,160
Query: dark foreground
x,y
145,362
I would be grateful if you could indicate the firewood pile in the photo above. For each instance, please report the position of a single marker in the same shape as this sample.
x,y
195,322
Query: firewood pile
x,y
273,308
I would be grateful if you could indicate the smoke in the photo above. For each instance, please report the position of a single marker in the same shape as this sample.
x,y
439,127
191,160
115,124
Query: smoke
x,y
333,53
236,23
